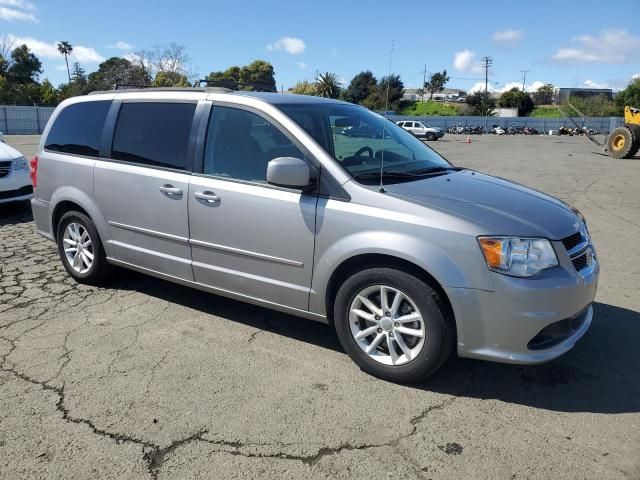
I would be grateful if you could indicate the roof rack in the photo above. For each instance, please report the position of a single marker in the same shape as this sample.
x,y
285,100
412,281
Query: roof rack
x,y
146,88
235,85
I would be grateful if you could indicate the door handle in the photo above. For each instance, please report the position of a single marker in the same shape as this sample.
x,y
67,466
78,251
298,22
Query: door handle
x,y
207,197
170,190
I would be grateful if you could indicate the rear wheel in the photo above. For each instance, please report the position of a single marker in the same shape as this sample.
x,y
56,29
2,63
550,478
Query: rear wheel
x,y
392,325
80,249
623,142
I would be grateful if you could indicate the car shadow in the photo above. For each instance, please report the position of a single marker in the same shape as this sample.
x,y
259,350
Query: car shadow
x,y
15,213
600,375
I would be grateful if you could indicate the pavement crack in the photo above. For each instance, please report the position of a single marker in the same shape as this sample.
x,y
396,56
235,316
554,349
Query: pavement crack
x,y
154,457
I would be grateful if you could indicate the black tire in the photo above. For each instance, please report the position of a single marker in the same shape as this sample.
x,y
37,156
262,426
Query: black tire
x,y
622,142
431,136
100,268
439,326
635,129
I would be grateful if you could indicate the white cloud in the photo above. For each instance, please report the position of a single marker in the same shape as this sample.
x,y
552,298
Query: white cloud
x,y
62,68
609,46
592,84
292,45
530,87
635,77
508,36
13,15
121,46
50,50
465,61
302,65
479,87
22,4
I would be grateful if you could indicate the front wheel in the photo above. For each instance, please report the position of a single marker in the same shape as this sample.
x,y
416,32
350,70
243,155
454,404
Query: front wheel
x,y
393,325
80,249
431,136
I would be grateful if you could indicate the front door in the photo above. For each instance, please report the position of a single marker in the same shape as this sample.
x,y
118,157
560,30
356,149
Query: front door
x,y
249,237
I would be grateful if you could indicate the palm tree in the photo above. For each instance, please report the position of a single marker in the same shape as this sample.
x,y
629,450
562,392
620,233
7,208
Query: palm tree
x,y
327,85
65,48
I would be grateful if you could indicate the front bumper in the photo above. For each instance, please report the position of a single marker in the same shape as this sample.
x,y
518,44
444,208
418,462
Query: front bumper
x,y
15,187
506,325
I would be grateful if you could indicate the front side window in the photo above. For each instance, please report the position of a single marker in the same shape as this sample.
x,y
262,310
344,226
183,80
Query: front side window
x,y
154,134
240,144
361,140
78,129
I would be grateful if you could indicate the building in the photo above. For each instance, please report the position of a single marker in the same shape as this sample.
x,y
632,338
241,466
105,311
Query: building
x,y
562,95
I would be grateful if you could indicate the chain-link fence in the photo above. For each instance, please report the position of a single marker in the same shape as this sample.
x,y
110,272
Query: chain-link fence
x,y
543,125
23,120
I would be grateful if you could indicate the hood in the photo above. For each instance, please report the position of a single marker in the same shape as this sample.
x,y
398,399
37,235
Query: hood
x,y
502,207
7,152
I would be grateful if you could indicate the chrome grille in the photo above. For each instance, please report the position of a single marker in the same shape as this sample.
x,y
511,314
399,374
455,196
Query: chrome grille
x,y
580,251
5,168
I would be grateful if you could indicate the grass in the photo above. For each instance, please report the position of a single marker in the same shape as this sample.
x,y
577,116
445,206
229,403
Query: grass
x,y
546,111
428,108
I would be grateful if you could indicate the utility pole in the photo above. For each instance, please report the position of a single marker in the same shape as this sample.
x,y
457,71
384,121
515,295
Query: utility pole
x,y
524,77
486,63
424,81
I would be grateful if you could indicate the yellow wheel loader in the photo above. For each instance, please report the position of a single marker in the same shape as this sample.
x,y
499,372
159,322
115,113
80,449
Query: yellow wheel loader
x,y
624,142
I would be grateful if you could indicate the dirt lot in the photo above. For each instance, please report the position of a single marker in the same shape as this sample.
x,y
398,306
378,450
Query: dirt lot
x,y
148,379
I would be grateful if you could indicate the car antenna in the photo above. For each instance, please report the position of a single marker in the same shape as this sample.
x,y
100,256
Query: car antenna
x,y
384,125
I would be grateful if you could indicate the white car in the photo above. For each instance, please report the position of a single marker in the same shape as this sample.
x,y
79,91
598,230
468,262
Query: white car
x,y
420,129
15,183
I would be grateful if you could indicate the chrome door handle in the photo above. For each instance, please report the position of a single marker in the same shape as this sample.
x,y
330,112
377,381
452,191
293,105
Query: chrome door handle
x,y
207,197
170,190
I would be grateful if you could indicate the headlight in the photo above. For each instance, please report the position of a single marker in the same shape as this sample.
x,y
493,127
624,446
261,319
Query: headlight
x,y
520,257
20,163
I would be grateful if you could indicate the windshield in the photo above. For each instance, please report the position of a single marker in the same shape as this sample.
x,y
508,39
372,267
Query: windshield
x,y
361,140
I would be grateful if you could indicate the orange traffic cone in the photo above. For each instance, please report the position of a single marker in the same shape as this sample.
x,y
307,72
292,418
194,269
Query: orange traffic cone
x,y
468,140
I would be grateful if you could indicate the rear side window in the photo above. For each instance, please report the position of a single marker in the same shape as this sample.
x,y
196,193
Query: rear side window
x,y
78,129
155,134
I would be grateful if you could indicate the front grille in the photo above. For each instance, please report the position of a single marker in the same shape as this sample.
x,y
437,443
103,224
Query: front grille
x,y
5,168
27,190
580,262
572,241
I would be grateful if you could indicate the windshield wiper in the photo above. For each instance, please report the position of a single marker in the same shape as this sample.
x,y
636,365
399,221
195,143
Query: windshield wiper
x,y
397,174
435,170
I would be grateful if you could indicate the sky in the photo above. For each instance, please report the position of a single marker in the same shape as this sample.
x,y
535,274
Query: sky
x,y
566,43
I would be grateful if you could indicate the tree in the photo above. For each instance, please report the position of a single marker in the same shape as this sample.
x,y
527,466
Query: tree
x,y
436,83
170,79
24,66
170,60
48,93
304,88
516,98
114,71
481,104
360,87
327,85
258,75
630,96
387,95
544,95
65,49
593,106
78,74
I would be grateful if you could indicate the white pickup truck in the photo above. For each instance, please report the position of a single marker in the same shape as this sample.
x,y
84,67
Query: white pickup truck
x,y
420,129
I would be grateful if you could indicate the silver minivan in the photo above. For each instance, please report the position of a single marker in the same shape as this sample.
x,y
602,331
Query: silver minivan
x,y
256,196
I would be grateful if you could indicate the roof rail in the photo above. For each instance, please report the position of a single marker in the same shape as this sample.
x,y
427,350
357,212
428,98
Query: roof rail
x,y
236,85
146,88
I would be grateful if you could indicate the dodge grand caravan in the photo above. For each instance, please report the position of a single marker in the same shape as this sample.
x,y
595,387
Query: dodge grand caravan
x,y
254,196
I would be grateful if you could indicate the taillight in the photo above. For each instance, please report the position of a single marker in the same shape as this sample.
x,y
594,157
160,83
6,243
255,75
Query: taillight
x,y
33,171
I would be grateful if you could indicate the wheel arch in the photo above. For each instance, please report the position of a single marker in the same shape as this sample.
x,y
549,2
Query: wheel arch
x,y
381,260
70,198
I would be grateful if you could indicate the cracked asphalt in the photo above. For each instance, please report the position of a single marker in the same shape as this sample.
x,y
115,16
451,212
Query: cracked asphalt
x,y
146,379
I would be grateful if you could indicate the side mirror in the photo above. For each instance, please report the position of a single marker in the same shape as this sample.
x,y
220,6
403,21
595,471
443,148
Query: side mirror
x,y
288,172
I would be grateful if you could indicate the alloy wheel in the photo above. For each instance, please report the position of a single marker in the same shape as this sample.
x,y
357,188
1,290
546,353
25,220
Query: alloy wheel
x,y
387,325
78,247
